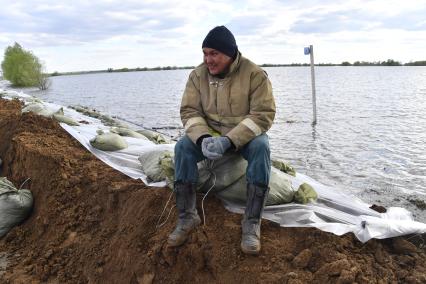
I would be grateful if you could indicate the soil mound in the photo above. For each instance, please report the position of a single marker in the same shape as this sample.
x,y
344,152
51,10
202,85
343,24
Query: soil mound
x,y
92,224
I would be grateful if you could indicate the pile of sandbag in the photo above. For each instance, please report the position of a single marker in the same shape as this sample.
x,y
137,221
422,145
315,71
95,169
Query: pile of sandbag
x,y
15,205
105,119
114,140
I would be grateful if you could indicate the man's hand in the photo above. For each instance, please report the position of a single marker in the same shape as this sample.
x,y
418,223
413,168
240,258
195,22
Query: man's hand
x,y
214,147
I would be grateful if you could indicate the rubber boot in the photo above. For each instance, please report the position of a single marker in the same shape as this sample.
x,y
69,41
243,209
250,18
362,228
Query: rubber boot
x,y
256,199
188,217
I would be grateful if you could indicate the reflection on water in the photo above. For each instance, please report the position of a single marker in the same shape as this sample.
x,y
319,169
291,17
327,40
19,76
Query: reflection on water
x,y
370,137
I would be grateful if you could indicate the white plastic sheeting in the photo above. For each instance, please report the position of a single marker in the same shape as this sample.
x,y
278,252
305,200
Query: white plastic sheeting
x,y
334,211
339,213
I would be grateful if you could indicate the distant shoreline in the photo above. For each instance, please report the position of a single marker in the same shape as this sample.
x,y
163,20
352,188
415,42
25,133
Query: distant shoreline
x,y
389,62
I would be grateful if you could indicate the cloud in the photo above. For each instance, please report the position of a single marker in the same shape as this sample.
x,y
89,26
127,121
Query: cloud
x,y
320,20
331,22
129,33
90,21
249,24
409,21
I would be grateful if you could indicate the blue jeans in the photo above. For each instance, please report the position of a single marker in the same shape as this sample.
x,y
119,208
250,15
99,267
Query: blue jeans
x,y
256,152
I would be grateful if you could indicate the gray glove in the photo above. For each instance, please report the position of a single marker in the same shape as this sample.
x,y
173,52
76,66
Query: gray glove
x,y
214,147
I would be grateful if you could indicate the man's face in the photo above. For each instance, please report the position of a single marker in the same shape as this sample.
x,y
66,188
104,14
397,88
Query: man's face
x,y
216,61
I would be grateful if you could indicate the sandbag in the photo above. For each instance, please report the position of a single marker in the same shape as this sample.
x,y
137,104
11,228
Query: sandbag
x,y
122,131
228,177
65,119
15,205
167,164
152,165
285,168
106,120
41,109
155,137
280,190
35,108
109,142
222,172
305,194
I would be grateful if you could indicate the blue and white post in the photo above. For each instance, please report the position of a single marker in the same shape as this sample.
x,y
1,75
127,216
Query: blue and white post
x,y
310,50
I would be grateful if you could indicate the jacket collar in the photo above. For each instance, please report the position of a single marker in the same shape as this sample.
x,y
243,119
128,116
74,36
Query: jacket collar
x,y
234,65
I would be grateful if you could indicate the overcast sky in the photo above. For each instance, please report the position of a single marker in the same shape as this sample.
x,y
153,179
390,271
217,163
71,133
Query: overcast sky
x,y
91,35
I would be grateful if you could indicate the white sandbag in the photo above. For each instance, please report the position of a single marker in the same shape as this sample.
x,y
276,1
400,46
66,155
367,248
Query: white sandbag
x,y
122,131
280,189
108,142
155,137
227,174
40,109
221,173
15,205
225,177
65,119
106,120
151,165
35,108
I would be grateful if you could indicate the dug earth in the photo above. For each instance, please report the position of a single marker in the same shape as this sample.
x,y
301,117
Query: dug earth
x,y
92,224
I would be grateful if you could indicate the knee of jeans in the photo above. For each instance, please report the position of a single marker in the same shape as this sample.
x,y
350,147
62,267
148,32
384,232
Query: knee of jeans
x,y
259,145
182,144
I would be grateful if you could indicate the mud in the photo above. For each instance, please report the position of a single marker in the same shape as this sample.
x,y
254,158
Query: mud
x,y
92,224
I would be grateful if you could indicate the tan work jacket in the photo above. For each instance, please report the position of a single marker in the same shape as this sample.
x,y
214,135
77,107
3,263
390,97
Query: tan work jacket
x,y
240,106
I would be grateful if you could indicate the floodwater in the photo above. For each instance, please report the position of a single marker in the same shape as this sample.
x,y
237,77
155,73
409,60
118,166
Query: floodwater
x,y
370,138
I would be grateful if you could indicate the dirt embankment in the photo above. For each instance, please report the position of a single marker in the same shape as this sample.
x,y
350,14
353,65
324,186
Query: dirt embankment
x,y
92,224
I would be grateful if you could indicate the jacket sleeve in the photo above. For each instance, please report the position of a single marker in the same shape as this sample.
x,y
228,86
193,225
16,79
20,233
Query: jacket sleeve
x,y
261,113
191,110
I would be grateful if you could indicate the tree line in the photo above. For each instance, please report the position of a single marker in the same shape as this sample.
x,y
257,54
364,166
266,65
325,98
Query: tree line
x,y
389,62
125,69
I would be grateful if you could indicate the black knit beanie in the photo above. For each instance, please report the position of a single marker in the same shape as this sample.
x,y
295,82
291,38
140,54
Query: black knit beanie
x,y
221,39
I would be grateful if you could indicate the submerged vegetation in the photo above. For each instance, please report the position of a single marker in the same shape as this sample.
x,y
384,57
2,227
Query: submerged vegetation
x,y
23,69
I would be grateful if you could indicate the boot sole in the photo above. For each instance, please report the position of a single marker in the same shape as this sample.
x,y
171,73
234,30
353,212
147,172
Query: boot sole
x,y
177,243
171,243
250,252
